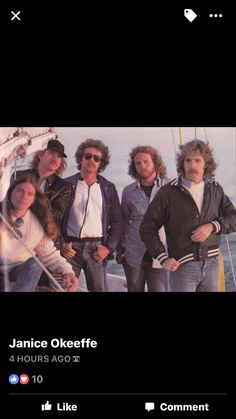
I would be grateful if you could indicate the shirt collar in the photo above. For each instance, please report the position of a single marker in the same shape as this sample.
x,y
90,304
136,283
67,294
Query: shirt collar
x,y
48,179
80,177
156,182
189,184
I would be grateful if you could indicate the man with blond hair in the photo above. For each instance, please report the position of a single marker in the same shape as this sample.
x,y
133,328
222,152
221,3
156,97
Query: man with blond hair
x,y
47,167
148,170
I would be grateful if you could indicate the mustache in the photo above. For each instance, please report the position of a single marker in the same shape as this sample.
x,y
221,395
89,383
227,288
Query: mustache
x,y
193,171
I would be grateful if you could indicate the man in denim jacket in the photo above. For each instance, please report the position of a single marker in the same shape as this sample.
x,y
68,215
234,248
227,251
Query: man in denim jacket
x,y
148,170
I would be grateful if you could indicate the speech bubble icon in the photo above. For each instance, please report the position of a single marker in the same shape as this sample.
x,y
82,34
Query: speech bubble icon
x,y
149,406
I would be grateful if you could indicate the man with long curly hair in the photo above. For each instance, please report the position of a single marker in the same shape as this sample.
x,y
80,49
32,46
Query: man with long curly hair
x,y
148,170
195,211
92,224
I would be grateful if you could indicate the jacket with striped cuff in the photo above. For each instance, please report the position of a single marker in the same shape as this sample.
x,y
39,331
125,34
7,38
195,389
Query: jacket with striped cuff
x,y
174,208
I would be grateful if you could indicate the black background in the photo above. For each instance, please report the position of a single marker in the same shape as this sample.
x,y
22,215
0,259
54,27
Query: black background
x,y
120,66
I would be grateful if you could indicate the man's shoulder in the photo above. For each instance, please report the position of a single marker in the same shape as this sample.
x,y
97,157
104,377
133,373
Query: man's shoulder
x,y
129,188
167,189
214,185
71,179
61,182
167,184
105,181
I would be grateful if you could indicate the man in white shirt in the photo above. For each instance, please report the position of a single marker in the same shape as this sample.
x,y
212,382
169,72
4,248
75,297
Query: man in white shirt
x,y
92,223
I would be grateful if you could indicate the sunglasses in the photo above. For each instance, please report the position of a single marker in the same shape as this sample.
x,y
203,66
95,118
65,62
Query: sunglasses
x,y
18,223
96,157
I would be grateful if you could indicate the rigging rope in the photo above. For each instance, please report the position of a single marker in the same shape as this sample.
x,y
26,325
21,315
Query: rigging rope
x,y
231,260
173,139
54,283
180,136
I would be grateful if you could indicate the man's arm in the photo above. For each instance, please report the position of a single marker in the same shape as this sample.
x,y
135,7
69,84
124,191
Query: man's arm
x,y
153,220
60,202
125,212
227,215
225,222
115,221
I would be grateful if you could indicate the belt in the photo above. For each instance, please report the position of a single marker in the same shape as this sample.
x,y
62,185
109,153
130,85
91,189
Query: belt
x,y
85,239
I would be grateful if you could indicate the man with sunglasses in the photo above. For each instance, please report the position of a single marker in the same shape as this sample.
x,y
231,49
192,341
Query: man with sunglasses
x,y
92,223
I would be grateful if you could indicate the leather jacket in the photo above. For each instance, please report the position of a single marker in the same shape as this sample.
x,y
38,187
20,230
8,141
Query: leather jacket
x,y
57,190
174,208
111,212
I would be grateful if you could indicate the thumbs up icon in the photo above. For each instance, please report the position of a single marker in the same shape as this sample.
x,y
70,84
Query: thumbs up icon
x,y
13,379
46,406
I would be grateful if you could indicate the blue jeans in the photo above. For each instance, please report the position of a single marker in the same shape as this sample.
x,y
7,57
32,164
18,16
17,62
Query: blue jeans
x,y
199,276
95,272
24,278
136,278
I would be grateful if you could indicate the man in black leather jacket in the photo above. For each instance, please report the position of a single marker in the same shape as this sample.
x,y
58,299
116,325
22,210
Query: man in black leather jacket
x,y
195,212
47,166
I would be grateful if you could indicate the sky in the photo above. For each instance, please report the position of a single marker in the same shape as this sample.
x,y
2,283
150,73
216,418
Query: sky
x,y
122,139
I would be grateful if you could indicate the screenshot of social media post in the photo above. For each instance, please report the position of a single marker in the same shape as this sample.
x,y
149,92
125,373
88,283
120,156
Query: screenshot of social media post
x,y
117,210
118,253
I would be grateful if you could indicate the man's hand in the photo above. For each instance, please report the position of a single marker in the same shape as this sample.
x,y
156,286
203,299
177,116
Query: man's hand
x,y
71,282
202,233
119,258
101,253
67,250
170,265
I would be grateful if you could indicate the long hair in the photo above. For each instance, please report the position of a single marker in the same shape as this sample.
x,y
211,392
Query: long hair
x,y
99,145
40,207
205,151
155,156
35,162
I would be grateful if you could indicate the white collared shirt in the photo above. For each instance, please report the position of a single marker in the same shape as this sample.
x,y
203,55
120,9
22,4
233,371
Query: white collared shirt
x,y
85,218
196,190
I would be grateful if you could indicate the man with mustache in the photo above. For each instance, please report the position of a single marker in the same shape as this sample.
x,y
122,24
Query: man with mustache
x,y
195,211
147,168
92,223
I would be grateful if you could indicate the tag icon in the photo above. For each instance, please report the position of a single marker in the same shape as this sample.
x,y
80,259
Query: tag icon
x,y
190,14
